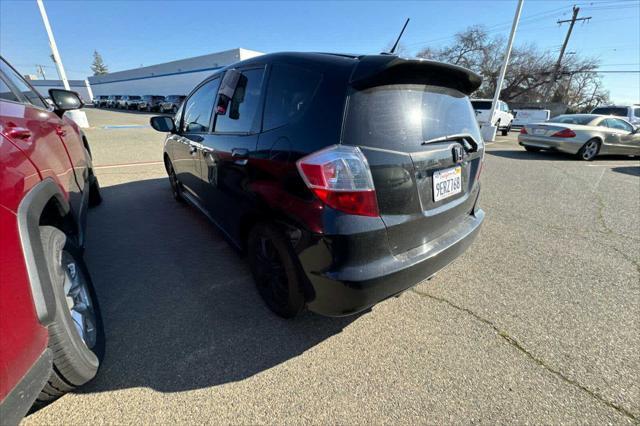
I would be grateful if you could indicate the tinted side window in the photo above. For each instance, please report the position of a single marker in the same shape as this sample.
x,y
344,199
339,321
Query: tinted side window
x,y
6,92
636,112
19,83
289,92
619,124
244,105
198,108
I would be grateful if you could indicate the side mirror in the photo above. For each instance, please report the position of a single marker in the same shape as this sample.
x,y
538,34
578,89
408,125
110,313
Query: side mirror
x,y
64,100
162,123
635,130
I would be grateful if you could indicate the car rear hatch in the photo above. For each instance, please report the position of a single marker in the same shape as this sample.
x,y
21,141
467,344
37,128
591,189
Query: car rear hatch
x,y
417,129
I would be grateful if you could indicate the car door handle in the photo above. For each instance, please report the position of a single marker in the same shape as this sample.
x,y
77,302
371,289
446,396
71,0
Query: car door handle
x,y
19,133
240,156
240,153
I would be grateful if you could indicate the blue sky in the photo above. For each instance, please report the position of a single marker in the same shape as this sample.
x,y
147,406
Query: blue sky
x,y
133,33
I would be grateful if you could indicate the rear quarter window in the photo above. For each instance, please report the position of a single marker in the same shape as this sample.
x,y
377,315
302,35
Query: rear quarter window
x,y
290,91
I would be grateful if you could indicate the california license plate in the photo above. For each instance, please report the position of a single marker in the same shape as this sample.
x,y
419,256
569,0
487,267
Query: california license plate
x,y
446,183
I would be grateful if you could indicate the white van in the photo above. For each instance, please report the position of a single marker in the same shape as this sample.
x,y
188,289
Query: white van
x,y
527,116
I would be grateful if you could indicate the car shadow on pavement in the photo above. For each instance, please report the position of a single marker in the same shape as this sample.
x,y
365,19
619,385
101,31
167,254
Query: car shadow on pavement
x,y
549,156
633,171
179,305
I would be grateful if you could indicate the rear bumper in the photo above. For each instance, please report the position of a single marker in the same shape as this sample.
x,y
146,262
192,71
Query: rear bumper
x,y
351,290
21,398
556,144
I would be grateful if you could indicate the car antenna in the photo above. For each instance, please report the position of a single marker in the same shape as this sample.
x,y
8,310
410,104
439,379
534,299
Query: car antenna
x,y
395,45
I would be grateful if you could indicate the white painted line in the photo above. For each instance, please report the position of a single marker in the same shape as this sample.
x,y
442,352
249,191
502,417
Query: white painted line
x,y
599,179
613,165
115,166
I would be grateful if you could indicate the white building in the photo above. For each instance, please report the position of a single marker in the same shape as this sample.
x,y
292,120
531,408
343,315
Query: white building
x,y
171,78
43,86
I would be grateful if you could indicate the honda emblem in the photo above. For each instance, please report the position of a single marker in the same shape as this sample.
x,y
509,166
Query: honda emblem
x,y
458,154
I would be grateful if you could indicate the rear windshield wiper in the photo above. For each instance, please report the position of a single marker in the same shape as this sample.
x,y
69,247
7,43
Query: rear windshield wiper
x,y
469,143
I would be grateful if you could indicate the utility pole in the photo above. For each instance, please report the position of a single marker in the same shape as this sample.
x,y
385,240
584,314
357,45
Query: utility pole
x,y
556,68
41,71
54,47
490,133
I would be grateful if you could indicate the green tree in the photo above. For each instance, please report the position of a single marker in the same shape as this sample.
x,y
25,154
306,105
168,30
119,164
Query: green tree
x,y
98,67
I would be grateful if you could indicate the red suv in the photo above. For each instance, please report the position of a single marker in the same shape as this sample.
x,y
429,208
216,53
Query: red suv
x,y
52,338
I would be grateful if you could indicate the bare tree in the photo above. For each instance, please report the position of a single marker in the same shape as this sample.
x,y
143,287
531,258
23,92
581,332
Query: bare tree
x,y
528,73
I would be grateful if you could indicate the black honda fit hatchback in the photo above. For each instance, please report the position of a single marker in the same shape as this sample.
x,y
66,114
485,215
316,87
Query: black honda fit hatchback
x,y
345,179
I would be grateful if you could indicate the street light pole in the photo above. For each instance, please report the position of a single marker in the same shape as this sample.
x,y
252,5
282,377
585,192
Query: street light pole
x,y
503,70
54,47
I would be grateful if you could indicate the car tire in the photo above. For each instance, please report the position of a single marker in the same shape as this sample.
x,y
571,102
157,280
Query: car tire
x,y
176,186
589,150
77,355
275,271
505,132
532,148
95,197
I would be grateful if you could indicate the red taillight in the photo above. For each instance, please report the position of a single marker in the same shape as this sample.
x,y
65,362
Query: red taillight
x,y
340,177
523,131
564,133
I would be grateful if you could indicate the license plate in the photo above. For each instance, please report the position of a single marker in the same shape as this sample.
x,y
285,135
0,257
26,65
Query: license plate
x,y
539,131
446,183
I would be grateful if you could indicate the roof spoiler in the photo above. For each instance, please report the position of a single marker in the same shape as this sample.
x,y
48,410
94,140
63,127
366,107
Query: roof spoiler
x,y
378,70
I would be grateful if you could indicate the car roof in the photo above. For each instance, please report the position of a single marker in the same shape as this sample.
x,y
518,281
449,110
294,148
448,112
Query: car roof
x,y
367,69
613,106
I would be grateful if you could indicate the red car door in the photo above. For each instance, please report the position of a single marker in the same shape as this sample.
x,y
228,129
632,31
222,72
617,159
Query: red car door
x,y
38,133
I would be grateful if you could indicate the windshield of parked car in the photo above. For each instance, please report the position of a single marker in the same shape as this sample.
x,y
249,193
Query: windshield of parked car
x,y
617,111
481,104
403,116
573,119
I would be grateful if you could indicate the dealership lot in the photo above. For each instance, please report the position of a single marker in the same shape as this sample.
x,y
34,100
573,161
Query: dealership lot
x,y
537,322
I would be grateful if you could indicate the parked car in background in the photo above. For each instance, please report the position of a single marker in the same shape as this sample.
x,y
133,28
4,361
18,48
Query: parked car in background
x,y
585,135
100,101
502,119
339,204
171,103
51,335
112,101
150,103
526,116
128,102
631,113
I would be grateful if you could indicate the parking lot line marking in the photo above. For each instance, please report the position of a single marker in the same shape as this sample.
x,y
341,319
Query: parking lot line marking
x,y
140,163
613,165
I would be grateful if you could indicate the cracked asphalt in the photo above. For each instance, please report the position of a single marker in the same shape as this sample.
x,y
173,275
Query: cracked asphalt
x,y
539,322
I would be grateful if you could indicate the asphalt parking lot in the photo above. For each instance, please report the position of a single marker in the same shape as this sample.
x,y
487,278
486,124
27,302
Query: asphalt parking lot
x,y
537,323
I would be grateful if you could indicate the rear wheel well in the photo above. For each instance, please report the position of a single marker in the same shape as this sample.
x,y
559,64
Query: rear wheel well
x,y
54,215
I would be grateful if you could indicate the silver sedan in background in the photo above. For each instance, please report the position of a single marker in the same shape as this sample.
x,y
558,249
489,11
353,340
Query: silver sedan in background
x,y
584,135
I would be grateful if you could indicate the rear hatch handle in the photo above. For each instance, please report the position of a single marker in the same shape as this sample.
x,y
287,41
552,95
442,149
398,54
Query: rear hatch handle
x,y
470,144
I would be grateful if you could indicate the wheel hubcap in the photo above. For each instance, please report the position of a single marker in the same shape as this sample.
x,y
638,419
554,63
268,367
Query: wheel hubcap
x,y
590,150
79,301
